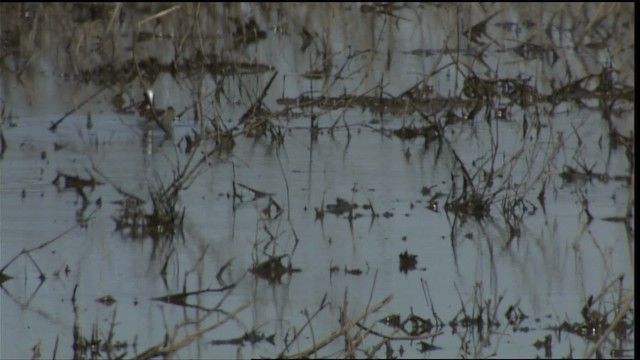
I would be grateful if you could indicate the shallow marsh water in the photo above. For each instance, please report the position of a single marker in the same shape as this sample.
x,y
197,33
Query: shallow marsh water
x,y
532,112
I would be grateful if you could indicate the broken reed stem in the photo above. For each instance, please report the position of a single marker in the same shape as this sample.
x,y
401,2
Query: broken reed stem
x,y
160,14
360,335
114,15
27,251
348,325
54,126
297,333
614,323
159,350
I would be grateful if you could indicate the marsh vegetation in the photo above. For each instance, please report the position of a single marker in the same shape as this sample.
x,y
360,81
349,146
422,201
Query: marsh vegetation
x,y
340,180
